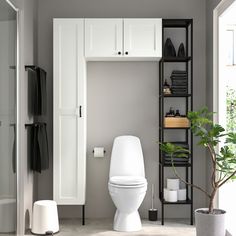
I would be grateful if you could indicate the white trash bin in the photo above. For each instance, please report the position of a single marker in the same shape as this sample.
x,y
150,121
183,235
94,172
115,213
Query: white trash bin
x,y
45,217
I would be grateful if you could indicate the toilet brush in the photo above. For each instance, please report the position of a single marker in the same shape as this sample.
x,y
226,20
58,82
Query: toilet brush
x,y
152,213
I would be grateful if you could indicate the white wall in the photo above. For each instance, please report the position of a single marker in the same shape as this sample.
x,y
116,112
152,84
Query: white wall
x,y
122,97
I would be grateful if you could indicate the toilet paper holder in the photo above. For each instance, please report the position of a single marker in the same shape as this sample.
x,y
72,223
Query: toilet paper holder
x,y
103,151
99,152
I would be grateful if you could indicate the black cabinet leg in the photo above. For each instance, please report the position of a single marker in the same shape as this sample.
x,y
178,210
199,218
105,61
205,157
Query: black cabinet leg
x,y
162,214
191,216
83,215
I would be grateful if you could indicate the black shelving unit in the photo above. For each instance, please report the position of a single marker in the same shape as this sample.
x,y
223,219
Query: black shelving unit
x,y
187,25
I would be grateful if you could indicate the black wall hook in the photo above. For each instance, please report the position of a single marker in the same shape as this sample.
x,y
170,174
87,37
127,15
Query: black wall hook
x,y
35,124
32,67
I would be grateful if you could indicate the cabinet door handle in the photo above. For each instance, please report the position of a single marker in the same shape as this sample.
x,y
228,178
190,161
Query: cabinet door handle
x,y
119,53
126,53
80,111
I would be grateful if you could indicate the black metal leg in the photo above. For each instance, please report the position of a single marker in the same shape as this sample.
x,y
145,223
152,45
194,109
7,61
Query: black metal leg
x,y
191,220
83,215
162,214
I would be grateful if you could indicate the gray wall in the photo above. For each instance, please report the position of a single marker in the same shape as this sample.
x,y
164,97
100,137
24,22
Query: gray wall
x,y
122,97
28,56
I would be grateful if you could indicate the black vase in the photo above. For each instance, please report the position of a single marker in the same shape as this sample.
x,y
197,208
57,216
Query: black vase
x,y
181,50
169,49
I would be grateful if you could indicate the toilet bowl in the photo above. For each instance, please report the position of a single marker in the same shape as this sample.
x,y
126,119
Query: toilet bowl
x,y
127,183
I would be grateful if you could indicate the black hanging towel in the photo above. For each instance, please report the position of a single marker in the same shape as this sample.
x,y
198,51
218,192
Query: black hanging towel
x,y
39,156
43,146
42,92
37,90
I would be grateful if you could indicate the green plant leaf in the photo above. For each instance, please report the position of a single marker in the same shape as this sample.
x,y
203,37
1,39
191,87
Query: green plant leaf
x,y
231,138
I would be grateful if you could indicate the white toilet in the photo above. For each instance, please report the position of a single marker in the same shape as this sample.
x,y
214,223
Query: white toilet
x,y
127,183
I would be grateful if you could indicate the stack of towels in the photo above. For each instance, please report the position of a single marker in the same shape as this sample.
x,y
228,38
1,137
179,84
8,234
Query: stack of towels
x,y
179,82
176,159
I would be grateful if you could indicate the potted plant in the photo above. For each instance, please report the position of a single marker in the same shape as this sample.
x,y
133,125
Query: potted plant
x,y
219,143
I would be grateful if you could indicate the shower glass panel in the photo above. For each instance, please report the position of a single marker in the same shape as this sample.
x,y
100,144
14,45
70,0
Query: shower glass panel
x,y
8,59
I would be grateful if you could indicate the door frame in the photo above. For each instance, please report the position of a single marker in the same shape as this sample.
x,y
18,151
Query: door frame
x,y
19,179
217,12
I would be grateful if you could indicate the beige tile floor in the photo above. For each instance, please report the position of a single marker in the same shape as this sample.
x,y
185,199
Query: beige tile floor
x,y
103,227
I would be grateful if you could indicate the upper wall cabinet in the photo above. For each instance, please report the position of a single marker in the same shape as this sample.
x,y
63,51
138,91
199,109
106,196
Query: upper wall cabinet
x,y
142,37
123,39
103,37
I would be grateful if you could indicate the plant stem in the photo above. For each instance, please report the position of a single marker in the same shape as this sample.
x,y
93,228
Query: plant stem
x,y
211,204
227,179
213,158
184,181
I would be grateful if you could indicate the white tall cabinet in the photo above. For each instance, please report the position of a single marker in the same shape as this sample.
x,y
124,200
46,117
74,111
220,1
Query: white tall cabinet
x,y
69,108
76,41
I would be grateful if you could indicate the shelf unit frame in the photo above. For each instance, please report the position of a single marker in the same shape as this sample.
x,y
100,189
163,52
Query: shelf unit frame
x,y
187,24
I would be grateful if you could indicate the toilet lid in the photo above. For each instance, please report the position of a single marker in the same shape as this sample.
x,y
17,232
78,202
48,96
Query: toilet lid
x,y
127,180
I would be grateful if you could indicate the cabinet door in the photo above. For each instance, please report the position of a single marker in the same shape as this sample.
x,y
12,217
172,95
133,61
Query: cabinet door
x,y
69,127
103,37
142,37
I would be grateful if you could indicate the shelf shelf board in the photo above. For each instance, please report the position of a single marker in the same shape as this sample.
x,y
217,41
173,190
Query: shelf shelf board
x,y
186,202
176,59
176,164
178,142
176,23
184,128
175,95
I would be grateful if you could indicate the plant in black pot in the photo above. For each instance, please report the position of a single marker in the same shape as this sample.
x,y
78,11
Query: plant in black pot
x,y
209,221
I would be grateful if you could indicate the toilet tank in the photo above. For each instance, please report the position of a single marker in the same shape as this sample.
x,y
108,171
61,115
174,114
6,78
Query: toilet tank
x,y
127,157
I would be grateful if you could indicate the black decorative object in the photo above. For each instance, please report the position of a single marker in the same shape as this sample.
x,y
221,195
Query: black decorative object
x,y
181,88
166,88
171,113
169,49
181,50
177,113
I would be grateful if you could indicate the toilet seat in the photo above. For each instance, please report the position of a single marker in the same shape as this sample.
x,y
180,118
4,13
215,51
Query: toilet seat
x,y
127,181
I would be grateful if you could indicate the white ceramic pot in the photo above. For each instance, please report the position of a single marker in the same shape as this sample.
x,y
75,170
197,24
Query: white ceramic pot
x,y
210,224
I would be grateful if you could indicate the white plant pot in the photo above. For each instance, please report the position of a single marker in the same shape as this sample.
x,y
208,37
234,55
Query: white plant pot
x,y
210,224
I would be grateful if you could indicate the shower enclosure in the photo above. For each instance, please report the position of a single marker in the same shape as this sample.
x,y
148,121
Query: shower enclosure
x,y
8,118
